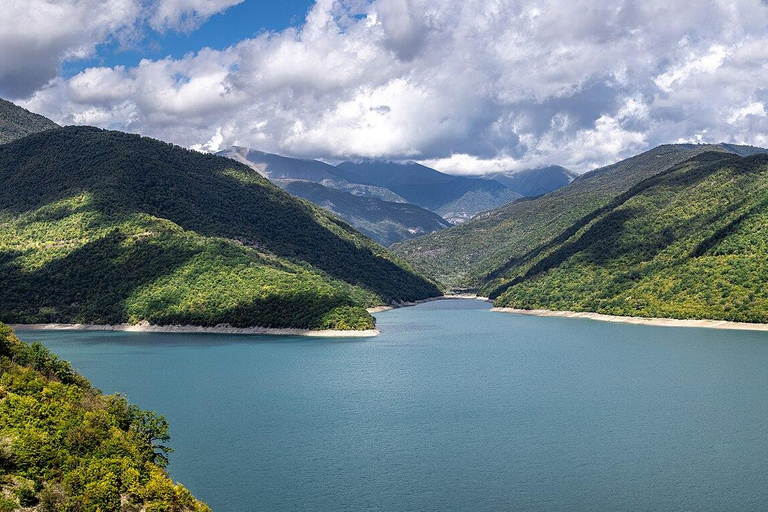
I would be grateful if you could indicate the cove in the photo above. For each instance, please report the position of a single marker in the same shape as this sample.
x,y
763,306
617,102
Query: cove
x,y
452,407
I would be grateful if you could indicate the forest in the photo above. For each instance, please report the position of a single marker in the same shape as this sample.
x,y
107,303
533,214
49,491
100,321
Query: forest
x,y
106,227
66,447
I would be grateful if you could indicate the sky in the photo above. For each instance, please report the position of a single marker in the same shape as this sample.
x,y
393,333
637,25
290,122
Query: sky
x,y
464,86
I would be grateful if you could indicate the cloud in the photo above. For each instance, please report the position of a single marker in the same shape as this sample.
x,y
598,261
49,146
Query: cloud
x,y
36,36
469,86
186,15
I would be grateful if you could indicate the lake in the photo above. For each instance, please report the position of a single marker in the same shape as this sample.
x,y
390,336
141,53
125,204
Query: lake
x,y
453,407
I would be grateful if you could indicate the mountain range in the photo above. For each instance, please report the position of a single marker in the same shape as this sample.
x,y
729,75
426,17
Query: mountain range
x,y
436,200
626,239
106,227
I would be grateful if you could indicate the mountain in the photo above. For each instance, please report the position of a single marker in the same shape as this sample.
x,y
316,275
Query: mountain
x,y
473,255
106,227
66,446
375,211
455,198
281,169
535,182
384,221
16,122
689,242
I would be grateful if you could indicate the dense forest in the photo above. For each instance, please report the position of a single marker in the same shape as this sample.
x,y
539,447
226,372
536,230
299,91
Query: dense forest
x,y
106,227
65,447
475,253
690,242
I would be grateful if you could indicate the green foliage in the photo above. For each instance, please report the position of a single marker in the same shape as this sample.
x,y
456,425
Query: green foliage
x,y
66,447
106,227
479,252
690,242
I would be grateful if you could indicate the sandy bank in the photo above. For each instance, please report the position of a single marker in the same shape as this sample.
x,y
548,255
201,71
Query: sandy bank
x,y
662,322
379,309
193,329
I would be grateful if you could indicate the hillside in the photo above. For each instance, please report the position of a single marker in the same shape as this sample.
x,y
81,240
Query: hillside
x,y
691,242
476,253
65,446
535,182
455,198
16,122
384,221
105,227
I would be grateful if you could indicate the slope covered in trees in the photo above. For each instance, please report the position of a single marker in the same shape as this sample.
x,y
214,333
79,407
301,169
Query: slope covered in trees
x,y
473,254
690,242
64,446
16,122
105,227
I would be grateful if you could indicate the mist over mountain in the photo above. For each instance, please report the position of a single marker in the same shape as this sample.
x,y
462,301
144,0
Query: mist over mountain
x,y
535,182
455,198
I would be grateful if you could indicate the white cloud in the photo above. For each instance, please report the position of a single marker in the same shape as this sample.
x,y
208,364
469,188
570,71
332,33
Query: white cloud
x,y
186,15
466,85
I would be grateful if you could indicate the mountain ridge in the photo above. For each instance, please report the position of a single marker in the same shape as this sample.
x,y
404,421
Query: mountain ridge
x,y
105,227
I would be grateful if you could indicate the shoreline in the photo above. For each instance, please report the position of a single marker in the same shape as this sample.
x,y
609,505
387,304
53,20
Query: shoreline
x,y
196,329
379,309
638,320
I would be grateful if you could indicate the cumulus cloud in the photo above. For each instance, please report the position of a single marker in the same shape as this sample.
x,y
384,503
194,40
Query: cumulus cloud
x,y
36,36
186,15
468,86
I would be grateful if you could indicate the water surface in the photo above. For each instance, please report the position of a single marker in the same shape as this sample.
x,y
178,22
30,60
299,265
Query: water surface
x,y
453,407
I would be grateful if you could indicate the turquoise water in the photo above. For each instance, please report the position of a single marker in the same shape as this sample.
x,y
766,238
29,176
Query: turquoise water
x,y
453,407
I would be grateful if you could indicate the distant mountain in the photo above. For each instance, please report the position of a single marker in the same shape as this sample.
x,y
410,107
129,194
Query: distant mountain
x,y
535,182
689,242
106,227
455,198
275,167
384,221
376,211
16,122
477,254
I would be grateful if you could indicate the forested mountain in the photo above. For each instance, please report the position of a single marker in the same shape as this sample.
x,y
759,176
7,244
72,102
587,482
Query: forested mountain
x,y
16,122
106,227
66,446
690,242
385,221
455,198
471,255
535,182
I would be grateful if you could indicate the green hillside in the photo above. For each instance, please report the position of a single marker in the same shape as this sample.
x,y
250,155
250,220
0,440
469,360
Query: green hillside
x,y
66,447
477,252
16,122
105,227
691,242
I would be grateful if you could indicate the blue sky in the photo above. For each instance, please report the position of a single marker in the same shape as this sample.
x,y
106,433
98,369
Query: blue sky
x,y
464,86
222,30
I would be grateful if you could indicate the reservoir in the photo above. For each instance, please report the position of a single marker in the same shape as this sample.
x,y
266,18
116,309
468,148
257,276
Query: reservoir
x,y
452,407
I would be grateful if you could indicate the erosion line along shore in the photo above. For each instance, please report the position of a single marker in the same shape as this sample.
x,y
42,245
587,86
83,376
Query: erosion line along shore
x,y
660,322
195,329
